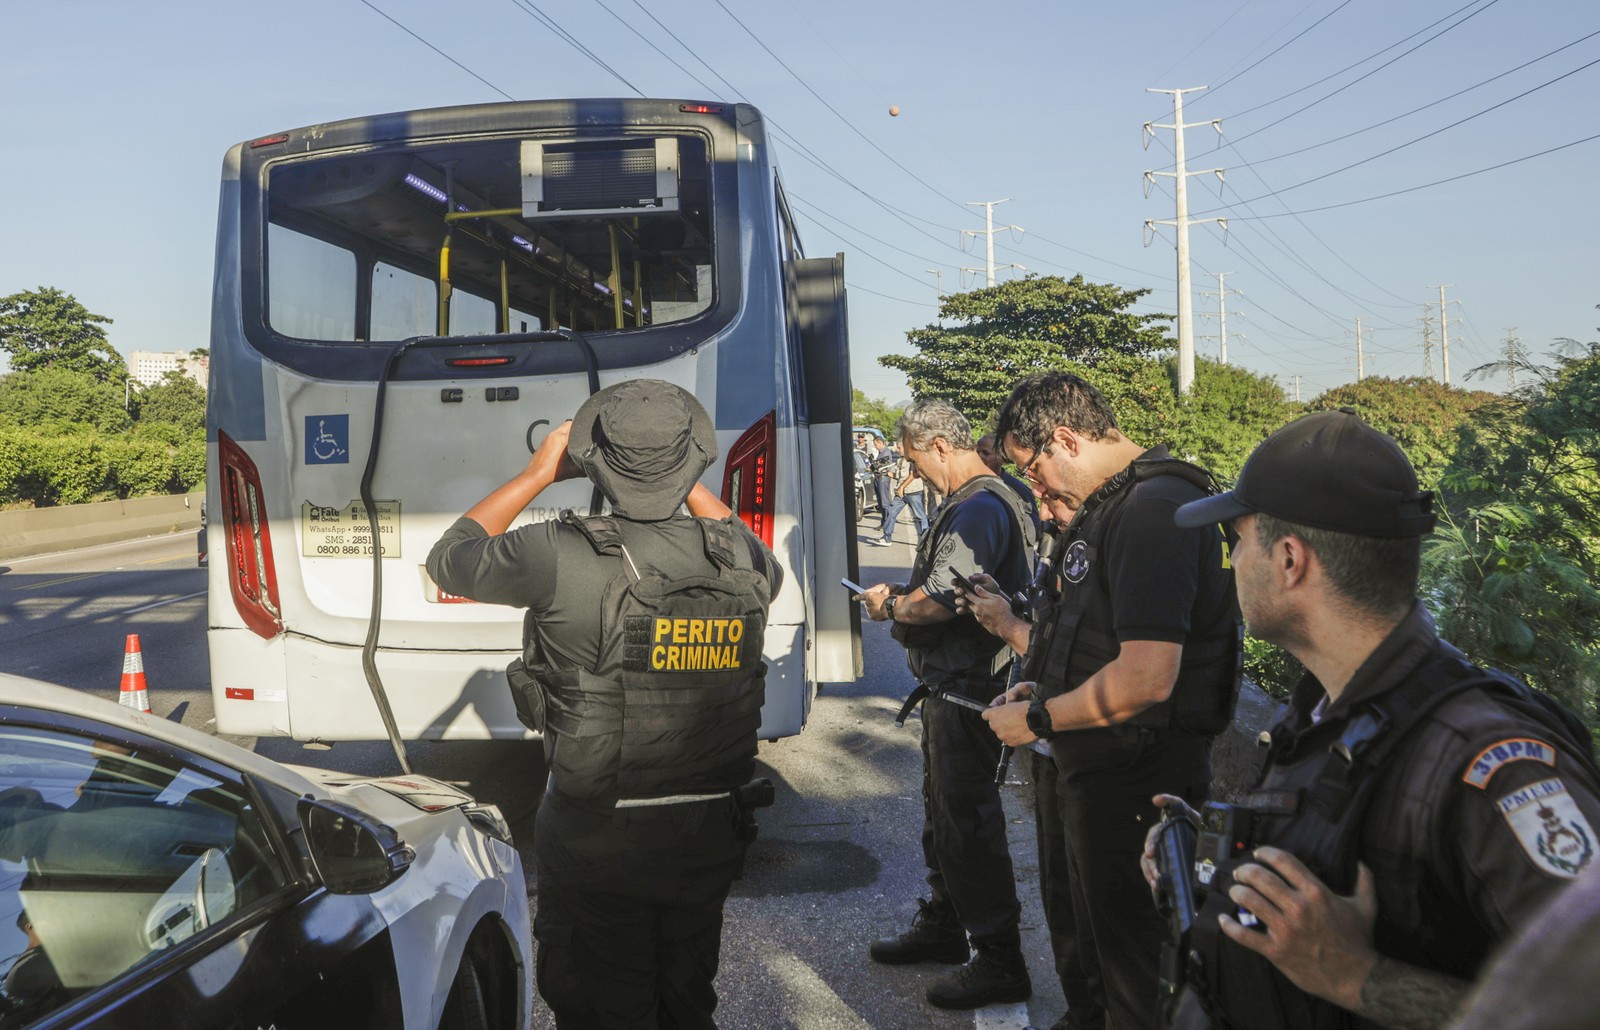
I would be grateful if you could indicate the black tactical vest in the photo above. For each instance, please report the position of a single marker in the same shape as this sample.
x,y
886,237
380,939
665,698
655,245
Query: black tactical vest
x,y
1074,635
1311,801
674,702
930,636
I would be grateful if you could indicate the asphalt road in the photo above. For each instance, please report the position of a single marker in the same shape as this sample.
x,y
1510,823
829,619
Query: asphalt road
x,y
837,863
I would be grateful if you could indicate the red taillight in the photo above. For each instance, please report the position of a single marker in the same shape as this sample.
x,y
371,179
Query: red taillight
x,y
267,141
747,479
477,362
251,575
701,108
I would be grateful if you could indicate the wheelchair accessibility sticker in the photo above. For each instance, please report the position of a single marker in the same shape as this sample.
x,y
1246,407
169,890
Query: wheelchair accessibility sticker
x,y
327,439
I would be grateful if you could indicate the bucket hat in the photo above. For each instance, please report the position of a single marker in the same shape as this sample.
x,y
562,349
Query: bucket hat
x,y
644,443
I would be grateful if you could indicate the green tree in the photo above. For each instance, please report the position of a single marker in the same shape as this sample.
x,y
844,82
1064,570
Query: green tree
x,y
1027,325
1511,573
1228,413
176,401
46,328
1424,417
875,412
61,400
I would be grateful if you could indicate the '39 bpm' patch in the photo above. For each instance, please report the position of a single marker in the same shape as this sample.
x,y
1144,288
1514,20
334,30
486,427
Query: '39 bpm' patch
x,y
1550,827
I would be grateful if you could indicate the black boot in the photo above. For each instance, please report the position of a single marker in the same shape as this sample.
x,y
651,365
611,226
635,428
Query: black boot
x,y
996,975
935,936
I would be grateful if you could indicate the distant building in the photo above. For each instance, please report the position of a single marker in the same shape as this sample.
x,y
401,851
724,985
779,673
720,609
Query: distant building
x,y
149,367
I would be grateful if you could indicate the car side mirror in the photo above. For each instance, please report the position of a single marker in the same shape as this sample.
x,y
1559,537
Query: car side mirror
x,y
353,853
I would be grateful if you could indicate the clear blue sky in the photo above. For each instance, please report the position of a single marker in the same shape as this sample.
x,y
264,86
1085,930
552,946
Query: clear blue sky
x,y
116,116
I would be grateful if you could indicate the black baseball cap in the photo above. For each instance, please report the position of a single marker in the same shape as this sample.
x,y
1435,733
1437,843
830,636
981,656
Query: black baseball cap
x,y
1329,470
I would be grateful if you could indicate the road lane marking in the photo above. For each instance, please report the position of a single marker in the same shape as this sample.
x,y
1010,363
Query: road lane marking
x,y
819,1005
63,579
1001,1017
158,604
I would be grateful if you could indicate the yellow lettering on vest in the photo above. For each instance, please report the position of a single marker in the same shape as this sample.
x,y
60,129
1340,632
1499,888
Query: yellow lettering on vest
x,y
697,631
680,631
1227,553
663,627
730,658
735,630
658,656
675,658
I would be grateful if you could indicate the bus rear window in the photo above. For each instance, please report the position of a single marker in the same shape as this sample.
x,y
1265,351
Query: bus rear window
x,y
507,235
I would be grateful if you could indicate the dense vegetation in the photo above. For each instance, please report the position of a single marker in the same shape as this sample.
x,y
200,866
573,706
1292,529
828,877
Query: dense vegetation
x,y
73,427
1511,573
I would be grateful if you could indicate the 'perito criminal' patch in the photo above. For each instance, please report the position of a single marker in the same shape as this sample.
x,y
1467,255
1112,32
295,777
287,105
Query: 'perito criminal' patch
x,y
1550,827
657,644
1488,761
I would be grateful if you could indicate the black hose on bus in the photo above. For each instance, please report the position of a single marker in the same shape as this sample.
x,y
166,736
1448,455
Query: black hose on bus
x,y
369,650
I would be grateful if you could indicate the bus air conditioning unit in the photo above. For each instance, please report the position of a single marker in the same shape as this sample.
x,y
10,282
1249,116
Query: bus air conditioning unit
x,y
578,179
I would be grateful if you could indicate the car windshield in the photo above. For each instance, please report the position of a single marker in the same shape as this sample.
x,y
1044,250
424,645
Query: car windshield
x,y
108,856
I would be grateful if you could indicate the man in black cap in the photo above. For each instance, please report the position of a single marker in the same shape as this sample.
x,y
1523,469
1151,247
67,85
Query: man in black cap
x,y
1414,809
1132,670
642,667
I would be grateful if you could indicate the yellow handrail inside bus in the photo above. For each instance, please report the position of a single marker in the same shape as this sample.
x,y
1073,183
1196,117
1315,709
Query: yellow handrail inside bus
x,y
444,285
505,299
614,280
499,212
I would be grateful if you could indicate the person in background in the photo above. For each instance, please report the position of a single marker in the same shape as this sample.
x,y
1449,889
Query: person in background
x,y
908,493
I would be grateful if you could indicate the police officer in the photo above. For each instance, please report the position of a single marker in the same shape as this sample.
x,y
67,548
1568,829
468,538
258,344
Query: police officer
x,y
642,666
1414,809
1136,648
981,528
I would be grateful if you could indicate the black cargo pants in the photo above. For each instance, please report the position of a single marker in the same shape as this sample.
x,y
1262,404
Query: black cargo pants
x,y
964,826
629,916
1105,779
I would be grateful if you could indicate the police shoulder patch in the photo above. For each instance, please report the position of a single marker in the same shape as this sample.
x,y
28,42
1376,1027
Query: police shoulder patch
x,y
1501,753
1550,827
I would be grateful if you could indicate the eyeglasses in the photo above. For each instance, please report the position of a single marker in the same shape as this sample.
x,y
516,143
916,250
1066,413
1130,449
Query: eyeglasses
x,y
1038,452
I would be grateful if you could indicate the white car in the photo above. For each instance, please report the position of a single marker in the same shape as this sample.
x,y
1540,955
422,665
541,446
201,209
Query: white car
x,y
153,875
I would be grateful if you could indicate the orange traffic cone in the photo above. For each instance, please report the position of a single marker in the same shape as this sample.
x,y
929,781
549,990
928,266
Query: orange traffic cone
x,y
134,693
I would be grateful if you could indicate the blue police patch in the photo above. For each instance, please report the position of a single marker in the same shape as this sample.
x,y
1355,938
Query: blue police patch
x,y
1520,749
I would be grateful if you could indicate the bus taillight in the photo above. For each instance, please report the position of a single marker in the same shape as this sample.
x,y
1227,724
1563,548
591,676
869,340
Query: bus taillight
x,y
251,575
747,483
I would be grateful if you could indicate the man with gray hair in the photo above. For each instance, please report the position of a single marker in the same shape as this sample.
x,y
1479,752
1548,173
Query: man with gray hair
x,y
982,528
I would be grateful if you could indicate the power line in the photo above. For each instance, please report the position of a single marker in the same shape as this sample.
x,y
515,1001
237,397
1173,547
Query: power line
x,y
1426,185
1366,75
1430,135
531,9
1296,36
820,99
1416,110
441,53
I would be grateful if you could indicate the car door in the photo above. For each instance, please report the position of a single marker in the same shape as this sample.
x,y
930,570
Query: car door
x,y
140,887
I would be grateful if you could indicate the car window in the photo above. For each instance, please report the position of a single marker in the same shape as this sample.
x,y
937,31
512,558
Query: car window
x,y
108,857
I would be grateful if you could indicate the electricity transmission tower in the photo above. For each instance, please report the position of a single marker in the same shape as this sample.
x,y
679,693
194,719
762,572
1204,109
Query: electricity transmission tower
x,y
1221,293
1181,222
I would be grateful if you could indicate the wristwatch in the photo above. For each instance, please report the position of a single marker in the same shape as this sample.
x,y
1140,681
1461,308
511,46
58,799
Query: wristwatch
x,y
1039,720
888,606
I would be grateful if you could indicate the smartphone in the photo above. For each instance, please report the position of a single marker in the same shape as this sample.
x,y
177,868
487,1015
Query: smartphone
x,y
854,588
961,581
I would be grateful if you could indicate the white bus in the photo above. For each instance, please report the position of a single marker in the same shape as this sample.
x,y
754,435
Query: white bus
x,y
405,303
